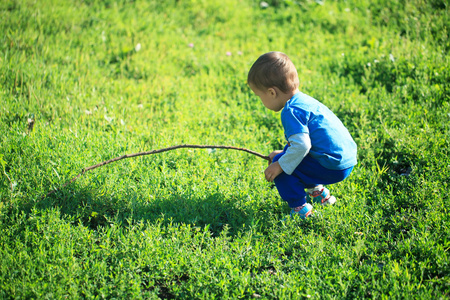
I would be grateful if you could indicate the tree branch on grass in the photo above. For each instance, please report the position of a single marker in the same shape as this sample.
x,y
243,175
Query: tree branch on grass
x,y
154,152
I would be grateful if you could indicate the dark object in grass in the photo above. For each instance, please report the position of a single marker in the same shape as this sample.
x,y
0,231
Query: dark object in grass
x,y
154,152
30,124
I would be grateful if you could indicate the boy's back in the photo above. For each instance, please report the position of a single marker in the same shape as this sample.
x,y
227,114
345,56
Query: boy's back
x,y
331,143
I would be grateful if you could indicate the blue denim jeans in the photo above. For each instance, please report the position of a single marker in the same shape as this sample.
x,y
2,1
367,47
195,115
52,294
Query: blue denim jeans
x,y
308,174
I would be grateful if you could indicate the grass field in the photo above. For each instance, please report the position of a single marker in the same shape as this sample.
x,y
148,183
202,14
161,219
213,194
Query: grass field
x,y
82,82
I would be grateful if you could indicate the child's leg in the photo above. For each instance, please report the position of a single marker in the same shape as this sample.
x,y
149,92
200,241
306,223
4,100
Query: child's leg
x,y
291,190
289,187
312,174
308,174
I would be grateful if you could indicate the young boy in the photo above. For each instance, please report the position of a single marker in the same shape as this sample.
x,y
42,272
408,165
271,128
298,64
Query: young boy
x,y
319,148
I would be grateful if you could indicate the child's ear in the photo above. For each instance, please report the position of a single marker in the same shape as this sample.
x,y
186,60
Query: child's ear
x,y
272,92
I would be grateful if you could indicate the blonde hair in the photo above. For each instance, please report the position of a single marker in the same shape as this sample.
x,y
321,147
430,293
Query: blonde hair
x,y
273,69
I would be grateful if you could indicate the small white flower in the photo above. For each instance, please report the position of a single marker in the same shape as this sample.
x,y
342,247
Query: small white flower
x,y
391,57
138,47
109,119
88,112
376,61
264,4
122,122
343,54
347,9
369,64
140,106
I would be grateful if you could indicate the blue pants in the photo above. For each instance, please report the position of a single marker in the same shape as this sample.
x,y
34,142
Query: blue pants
x,y
308,174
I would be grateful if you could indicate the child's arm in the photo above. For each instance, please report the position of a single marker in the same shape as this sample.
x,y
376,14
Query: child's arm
x,y
300,144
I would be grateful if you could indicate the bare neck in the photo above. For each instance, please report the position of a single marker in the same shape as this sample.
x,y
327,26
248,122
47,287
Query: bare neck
x,y
285,97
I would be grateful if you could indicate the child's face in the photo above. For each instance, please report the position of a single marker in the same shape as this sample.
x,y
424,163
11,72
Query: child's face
x,y
268,97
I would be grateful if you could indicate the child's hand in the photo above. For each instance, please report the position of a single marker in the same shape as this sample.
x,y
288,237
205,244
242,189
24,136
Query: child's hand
x,y
273,154
272,171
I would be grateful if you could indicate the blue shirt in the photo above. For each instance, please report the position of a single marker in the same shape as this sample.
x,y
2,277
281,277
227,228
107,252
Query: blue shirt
x,y
331,143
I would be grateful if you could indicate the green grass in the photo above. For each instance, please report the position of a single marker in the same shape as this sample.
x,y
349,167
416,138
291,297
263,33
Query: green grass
x,y
199,224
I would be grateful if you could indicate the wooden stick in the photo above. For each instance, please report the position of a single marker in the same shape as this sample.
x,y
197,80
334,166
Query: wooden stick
x,y
84,170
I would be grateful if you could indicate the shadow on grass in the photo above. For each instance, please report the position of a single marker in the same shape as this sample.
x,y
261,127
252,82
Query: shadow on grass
x,y
95,210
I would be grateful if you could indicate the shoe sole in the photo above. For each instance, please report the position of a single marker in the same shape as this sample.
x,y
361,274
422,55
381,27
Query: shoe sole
x,y
330,201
